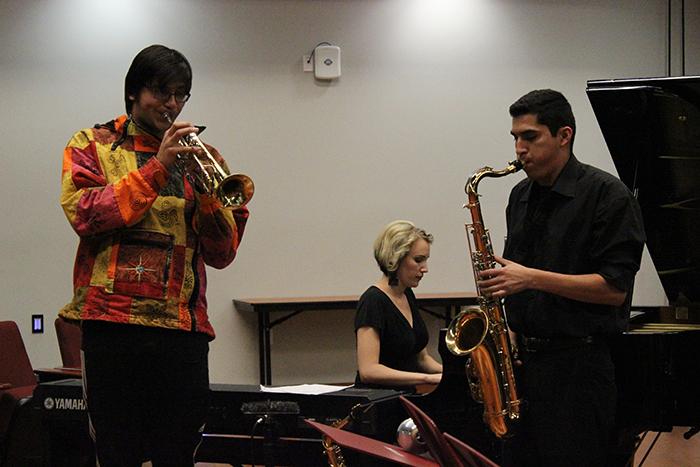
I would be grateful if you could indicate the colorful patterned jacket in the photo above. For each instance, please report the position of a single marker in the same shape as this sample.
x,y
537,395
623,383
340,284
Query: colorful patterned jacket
x,y
145,234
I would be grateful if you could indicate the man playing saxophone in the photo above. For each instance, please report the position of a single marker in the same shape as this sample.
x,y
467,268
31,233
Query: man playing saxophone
x,y
574,245
146,234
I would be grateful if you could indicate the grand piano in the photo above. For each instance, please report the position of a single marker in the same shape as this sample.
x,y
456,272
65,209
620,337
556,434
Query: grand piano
x,y
652,129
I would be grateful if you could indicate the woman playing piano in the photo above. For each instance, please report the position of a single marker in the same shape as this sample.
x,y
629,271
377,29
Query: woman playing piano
x,y
391,335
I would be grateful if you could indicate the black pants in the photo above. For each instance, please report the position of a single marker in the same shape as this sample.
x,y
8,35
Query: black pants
x,y
570,410
147,393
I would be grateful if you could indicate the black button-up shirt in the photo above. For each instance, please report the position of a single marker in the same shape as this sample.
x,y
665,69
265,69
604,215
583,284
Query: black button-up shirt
x,y
587,222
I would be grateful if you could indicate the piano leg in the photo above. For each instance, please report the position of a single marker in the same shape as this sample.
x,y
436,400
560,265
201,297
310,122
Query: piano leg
x,y
692,432
623,447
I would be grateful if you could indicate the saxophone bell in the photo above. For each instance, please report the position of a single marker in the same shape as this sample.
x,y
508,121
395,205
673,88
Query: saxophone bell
x,y
467,331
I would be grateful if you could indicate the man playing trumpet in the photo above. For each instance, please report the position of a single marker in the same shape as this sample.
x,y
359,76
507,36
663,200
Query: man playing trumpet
x,y
146,234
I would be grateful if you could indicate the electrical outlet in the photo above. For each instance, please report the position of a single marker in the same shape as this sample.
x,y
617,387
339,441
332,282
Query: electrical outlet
x,y
37,324
307,64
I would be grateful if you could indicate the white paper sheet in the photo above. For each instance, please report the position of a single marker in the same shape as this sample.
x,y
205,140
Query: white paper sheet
x,y
313,389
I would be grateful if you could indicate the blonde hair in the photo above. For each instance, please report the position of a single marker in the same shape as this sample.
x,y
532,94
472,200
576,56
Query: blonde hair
x,y
394,242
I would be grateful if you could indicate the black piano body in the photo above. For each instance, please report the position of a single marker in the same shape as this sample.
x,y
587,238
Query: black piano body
x,y
233,436
657,376
230,436
64,420
227,436
652,129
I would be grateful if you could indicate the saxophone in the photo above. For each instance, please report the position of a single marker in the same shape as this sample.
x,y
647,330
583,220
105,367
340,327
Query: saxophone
x,y
332,450
482,331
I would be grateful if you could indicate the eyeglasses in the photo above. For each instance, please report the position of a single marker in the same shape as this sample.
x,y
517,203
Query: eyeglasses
x,y
164,95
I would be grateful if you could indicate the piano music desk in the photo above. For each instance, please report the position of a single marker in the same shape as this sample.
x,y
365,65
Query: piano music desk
x,y
292,306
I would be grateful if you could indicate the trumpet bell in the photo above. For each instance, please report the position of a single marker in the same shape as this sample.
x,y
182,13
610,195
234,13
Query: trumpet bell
x,y
210,177
235,190
467,331
408,437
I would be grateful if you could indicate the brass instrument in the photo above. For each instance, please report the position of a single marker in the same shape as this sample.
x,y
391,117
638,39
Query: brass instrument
x,y
482,331
409,438
234,191
332,450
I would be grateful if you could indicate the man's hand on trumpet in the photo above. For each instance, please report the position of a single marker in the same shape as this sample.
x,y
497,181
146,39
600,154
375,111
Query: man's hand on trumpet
x,y
170,146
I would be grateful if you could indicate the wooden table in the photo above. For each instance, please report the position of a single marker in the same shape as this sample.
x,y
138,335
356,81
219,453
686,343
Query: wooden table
x,y
263,307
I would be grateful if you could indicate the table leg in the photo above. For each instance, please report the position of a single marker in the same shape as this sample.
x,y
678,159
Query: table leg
x,y
264,348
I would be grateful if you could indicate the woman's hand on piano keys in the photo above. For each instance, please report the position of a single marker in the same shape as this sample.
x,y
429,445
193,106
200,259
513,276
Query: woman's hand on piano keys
x,y
433,378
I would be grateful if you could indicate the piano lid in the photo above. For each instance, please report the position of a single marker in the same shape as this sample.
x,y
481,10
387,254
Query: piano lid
x,y
652,129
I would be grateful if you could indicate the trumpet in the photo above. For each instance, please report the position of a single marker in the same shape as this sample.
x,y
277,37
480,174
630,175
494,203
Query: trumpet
x,y
233,190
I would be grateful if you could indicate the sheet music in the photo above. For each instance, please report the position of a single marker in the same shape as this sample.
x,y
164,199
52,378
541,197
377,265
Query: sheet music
x,y
311,389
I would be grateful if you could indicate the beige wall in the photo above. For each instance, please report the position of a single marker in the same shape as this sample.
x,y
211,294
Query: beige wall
x,y
421,104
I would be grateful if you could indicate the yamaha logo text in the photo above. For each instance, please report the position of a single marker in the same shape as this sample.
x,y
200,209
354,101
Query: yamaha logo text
x,y
64,403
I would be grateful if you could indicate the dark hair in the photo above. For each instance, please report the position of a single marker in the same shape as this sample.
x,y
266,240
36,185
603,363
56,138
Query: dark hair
x,y
156,66
551,108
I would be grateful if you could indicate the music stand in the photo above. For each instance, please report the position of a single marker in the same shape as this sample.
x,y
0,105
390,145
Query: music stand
x,y
271,415
470,456
371,446
439,448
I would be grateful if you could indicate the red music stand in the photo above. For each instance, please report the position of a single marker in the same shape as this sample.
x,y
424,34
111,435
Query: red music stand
x,y
469,456
439,448
371,446
444,447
